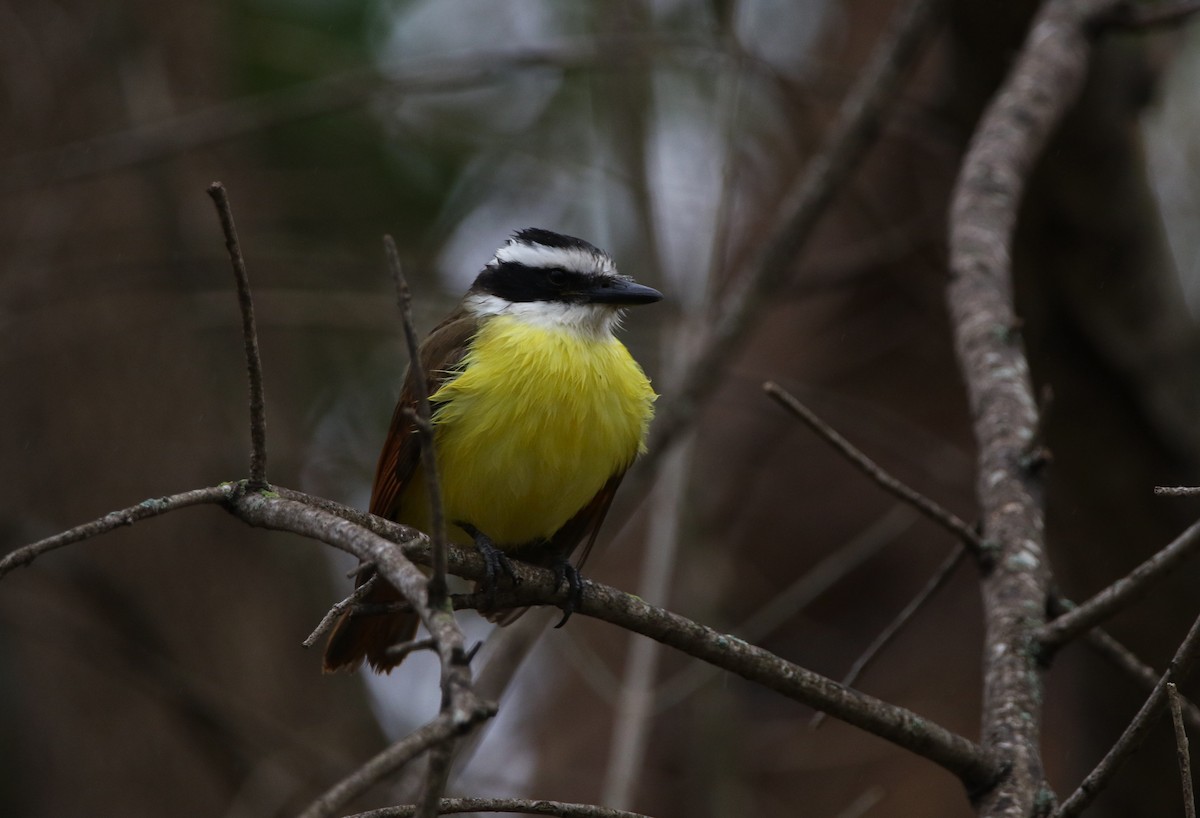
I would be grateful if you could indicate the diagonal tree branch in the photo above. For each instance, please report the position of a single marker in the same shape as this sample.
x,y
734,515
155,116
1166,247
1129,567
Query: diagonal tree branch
x,y
153,507
933,511
1125,591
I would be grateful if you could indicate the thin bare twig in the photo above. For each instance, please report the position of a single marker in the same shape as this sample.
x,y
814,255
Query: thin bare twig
x,y
452,806
1125,591
939,578
424,421
1177,672
1181,749
258,406
437,771
332,616
932,510
153,507
1177,491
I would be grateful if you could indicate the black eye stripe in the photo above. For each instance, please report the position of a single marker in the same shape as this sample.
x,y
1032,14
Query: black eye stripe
x,y
519,282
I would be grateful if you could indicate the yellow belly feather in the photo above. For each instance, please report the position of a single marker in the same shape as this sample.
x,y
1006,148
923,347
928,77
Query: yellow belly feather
x,y
535,425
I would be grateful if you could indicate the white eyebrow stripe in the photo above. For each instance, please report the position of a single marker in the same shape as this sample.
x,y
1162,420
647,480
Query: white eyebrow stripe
x,y
574,259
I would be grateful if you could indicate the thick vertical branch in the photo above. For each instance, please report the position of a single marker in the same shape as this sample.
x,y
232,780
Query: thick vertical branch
x,y
1043,83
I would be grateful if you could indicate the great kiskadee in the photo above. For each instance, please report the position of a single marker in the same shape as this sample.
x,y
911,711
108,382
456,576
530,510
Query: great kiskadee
x,y
538,411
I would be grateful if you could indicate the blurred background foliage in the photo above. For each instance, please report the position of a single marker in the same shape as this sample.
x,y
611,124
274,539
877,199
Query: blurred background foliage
x,y
158,670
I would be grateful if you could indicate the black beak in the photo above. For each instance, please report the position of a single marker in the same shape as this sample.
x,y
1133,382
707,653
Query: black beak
x,y
621,291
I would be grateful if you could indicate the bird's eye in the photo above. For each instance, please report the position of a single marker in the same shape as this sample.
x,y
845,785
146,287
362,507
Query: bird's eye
x,y
557,276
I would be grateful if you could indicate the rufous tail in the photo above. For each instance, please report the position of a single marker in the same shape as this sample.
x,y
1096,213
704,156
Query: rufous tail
x,y
368,636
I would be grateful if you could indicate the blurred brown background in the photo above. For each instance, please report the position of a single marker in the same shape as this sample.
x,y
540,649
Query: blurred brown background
x,y
158,670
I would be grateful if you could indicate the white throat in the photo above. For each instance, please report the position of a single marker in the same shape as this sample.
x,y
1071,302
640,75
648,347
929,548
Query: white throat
x,y
594,321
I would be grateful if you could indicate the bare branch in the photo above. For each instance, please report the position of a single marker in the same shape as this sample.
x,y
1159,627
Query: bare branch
x,y
1125,591
1045,79
1181,749
538,587
116,519
452,806
424,421
1181,665
332,616
461,708
943,517
939,578
258,407
902,727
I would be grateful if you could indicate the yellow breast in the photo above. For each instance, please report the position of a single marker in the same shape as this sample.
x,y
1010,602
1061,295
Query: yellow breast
x,y
537,422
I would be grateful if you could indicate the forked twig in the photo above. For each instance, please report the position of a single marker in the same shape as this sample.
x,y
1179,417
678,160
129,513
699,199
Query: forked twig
x,y
258,405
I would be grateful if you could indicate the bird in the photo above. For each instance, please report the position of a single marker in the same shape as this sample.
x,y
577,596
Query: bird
x,y
538,410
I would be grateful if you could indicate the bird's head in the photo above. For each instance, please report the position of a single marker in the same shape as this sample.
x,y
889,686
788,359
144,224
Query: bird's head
x,y
554,280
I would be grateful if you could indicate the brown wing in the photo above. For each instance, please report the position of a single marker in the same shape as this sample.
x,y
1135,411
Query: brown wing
x,y
356,638
586,523
441,353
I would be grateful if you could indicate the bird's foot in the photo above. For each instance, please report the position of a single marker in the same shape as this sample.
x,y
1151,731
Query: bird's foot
x,y
564,570
494,562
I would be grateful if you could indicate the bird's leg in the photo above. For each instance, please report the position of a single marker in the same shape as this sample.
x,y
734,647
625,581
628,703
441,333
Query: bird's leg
x,y
563,569
494,561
